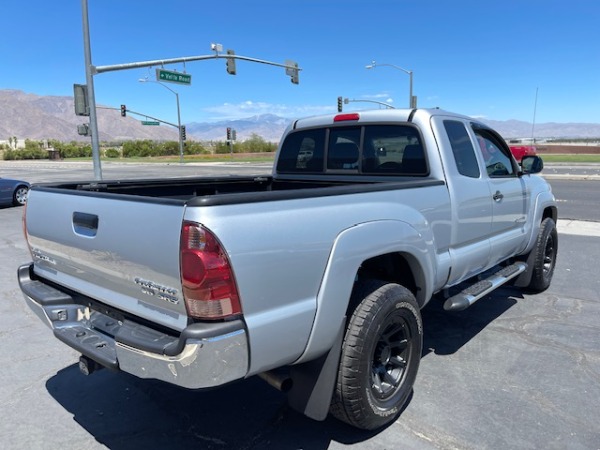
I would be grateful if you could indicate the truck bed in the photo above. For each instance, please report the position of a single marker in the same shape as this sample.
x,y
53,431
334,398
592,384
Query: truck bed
x,y
231,190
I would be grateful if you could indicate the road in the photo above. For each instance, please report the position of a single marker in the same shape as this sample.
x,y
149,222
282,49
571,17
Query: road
x,y
513,371
590,171
577,199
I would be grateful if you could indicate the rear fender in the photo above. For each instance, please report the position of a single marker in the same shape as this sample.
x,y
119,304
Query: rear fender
x,y
352,247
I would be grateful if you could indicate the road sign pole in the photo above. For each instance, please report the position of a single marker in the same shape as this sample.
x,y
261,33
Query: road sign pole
x,y
179,129
90,91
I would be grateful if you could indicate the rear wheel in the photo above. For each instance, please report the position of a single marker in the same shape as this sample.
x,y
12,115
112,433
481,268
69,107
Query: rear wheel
x,y
380,356
20,195
545,256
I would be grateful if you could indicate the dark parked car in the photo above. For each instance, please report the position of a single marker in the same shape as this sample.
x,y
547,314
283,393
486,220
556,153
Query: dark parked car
x,y
13,192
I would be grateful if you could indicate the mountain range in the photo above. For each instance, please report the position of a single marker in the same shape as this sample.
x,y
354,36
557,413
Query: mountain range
x,y
30,116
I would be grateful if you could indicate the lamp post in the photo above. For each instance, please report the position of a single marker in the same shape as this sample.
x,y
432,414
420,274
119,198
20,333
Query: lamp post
x,y
412,101
146,80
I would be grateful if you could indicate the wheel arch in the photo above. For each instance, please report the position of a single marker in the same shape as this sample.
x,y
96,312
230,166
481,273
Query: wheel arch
x,y
397,267
548,211
389,250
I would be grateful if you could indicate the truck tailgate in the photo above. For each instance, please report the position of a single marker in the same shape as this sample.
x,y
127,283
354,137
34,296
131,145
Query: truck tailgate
x,y
120,250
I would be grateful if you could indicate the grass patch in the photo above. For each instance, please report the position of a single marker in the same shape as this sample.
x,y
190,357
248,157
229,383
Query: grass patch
x,y
566,158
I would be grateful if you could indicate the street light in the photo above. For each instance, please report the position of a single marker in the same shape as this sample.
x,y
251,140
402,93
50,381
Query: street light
x,y
412,101
146,80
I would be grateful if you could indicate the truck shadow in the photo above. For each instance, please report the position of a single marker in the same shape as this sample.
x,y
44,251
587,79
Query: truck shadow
x,y
446,332
124,412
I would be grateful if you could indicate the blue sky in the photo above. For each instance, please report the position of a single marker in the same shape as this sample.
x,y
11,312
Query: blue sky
x,y
480,58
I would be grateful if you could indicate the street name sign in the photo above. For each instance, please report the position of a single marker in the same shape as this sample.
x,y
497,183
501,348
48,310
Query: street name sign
x,y
150,122
173,77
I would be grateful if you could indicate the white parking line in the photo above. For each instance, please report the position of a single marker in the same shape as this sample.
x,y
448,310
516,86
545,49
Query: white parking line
x,y
578,227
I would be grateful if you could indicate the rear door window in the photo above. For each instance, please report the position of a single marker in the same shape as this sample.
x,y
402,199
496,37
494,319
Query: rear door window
x,y
462,148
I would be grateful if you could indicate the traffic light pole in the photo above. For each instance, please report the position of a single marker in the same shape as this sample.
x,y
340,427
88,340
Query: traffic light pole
x,y
89,79
291,68
388,106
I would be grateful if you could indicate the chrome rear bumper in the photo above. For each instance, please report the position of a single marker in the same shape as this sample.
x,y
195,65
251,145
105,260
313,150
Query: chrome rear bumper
x,y
203,355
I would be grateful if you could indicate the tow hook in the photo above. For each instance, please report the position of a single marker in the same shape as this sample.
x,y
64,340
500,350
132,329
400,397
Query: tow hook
x,y
88,366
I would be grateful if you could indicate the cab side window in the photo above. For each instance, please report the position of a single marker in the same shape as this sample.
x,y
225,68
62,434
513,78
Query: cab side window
x,y
497,162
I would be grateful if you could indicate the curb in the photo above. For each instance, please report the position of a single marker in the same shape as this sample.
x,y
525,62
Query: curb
x,y
578,227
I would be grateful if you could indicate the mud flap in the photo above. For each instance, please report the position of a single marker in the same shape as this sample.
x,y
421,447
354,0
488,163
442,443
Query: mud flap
x,y
524,279
314,381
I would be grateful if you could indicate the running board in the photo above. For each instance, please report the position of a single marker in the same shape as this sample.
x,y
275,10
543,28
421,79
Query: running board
x,y
470,295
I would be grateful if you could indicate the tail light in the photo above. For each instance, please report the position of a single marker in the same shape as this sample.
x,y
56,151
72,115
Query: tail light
x,y
209,287
24,223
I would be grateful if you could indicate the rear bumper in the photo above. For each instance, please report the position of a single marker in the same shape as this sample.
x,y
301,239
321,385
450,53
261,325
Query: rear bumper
x,y
204,355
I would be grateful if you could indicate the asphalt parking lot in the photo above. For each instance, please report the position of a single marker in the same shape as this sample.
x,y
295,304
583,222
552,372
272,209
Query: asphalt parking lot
x,y
514,371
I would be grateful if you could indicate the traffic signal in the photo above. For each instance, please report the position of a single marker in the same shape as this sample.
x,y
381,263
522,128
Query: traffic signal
x,y
291,69
339,104
182,132
295,78
230,63
228,133
233,134
123,111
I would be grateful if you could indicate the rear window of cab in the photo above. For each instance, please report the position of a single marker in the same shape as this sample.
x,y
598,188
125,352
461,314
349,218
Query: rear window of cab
x,y
370,149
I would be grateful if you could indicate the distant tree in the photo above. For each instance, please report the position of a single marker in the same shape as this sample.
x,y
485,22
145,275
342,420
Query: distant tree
x,y
194,148
30,144
256,144
222,147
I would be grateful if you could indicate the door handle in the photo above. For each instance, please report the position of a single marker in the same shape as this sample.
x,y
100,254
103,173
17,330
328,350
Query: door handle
x,y
498,196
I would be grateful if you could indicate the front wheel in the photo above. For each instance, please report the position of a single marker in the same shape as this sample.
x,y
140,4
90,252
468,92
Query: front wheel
x,y
380,356
546,249
20,195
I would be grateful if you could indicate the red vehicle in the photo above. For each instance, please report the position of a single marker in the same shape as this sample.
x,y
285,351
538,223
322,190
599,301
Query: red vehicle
x,y
519,151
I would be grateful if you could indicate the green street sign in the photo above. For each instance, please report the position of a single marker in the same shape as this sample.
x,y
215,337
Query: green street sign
x,y
149,122
173,77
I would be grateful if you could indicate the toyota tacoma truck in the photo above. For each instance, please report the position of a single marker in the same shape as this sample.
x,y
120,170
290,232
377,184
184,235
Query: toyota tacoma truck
x,y
312,277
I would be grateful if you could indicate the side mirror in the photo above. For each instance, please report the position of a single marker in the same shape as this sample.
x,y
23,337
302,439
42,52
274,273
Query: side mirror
x,y
532,164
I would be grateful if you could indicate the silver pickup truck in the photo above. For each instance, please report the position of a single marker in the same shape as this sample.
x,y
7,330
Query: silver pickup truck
x,y
312,278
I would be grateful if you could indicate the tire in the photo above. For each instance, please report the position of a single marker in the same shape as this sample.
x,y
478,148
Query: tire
x,y
20,195
380,356
546,250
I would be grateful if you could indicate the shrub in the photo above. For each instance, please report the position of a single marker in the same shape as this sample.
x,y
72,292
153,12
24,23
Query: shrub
x,y
194,148
141,148
112,153
26,153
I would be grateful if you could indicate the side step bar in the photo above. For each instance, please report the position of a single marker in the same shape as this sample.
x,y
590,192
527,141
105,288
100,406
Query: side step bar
x,y
470,295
